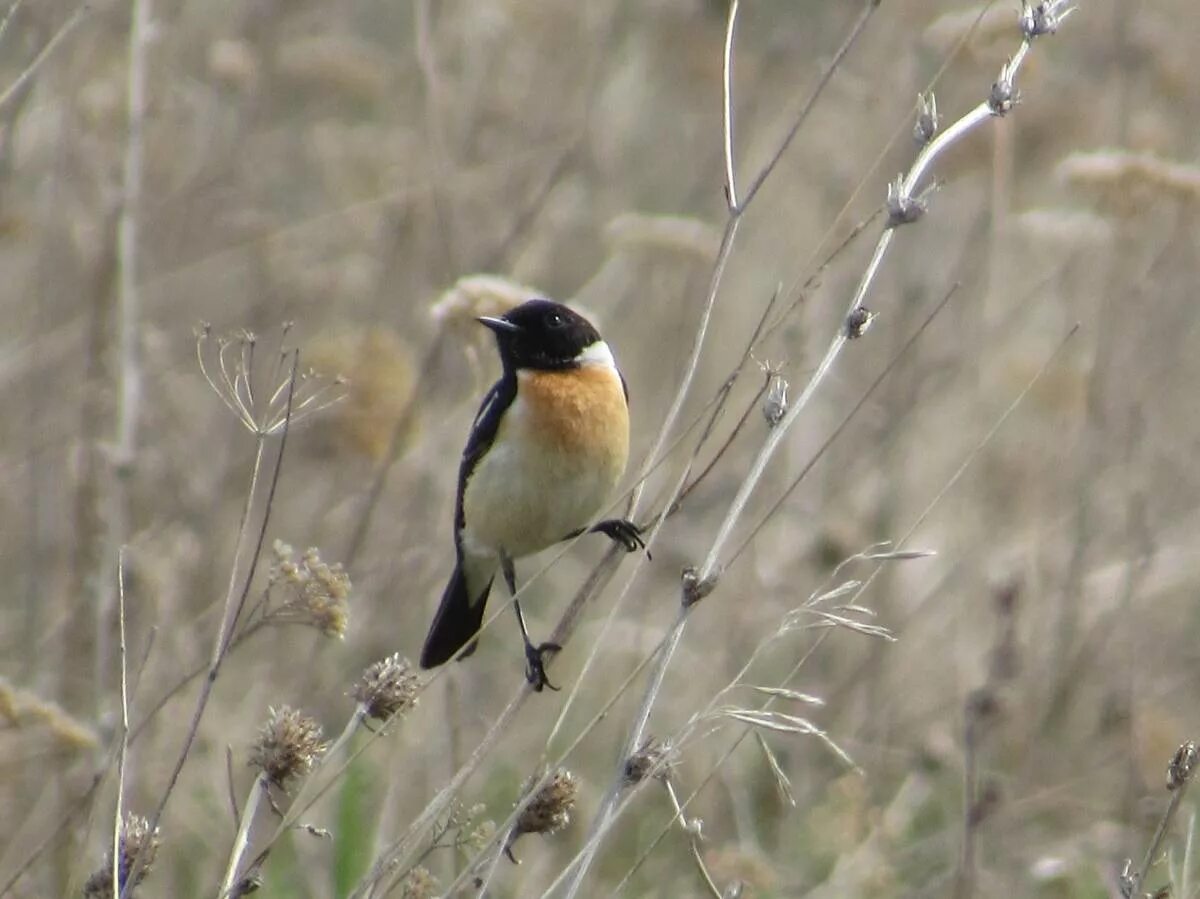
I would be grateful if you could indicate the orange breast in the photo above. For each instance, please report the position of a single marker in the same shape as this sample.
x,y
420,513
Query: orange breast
x,y
581,411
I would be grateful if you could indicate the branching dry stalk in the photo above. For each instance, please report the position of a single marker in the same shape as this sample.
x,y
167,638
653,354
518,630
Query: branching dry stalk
x,y
235,599
905,205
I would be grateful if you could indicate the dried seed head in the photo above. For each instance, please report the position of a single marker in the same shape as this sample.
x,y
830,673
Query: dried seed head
x,y
652,759
1132,177
1183,765
927,119
251,883
388,687
1004,95
775,405
480,835
476,295
138,843
550,809
903,208
418,884
858,321
256,384
1043,17
381,372
318,595
695,588
638,230
288,745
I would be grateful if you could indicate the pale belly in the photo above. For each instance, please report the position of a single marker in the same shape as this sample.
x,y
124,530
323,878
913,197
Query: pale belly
x,y
523,502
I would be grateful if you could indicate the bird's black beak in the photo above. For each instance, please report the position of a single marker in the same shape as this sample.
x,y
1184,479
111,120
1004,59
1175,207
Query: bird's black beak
x,y
499,325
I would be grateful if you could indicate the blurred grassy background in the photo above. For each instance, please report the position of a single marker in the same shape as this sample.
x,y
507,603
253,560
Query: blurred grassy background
x,y
342,166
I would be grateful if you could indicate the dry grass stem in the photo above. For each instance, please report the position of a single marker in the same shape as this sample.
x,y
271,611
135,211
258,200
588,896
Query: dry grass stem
x,y
15,90
718,188
1179,776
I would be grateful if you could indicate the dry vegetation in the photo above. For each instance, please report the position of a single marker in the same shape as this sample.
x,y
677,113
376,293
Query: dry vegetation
x,y
837,719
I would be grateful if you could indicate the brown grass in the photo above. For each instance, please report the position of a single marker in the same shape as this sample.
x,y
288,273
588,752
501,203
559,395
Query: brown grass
x,y
378,173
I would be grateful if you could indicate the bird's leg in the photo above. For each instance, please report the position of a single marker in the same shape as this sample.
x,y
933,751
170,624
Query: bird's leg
x,y
535,668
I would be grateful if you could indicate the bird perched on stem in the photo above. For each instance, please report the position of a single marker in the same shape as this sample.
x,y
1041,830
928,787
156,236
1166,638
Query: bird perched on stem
x,y
548,445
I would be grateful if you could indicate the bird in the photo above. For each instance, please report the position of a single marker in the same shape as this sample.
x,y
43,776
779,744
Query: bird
x,y
547,448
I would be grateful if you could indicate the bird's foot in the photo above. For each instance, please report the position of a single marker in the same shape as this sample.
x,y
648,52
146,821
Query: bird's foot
x,y
623,531
535,667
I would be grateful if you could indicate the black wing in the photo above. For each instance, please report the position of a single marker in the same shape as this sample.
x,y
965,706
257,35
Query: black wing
x,y
483,432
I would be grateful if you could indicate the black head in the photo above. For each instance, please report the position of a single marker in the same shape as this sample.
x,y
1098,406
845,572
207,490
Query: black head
x,y
541,334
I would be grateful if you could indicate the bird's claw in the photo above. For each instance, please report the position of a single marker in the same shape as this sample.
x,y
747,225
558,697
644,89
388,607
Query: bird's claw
x,y
623,531
535,667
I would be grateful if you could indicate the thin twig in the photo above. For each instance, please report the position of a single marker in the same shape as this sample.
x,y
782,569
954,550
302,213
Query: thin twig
x,y
1179,778
12,9
904,206
124,743
856,30
57,38
128,240
837,432
257,790
233,603
602,818
233,802
727,69
693,837
379,479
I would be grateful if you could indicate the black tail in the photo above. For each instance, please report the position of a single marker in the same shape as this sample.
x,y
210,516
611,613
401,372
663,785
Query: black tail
x,y
456,623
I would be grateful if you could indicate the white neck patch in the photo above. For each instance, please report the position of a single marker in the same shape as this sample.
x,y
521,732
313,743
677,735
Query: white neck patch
x,y
597,354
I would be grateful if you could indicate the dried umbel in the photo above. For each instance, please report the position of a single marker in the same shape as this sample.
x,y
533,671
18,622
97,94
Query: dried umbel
x,y
388,687
139,844
264,387
1182,766
288,745
651,760
549,811
418,884
318,594
775,403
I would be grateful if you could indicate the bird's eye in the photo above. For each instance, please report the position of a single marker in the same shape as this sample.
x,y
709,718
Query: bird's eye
x,y
554,320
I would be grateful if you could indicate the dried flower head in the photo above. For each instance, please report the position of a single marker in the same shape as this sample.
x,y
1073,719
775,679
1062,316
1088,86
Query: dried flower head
x,y
1183,765
388,687
1043,17
858,321
418,884
549,811
262,393
22,708
381,372
775,403
902,207
671,233
335,64
318,593
652,759
1004,94
693,587
138,844
479,835
927,119
476,295
1132,177
288,745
